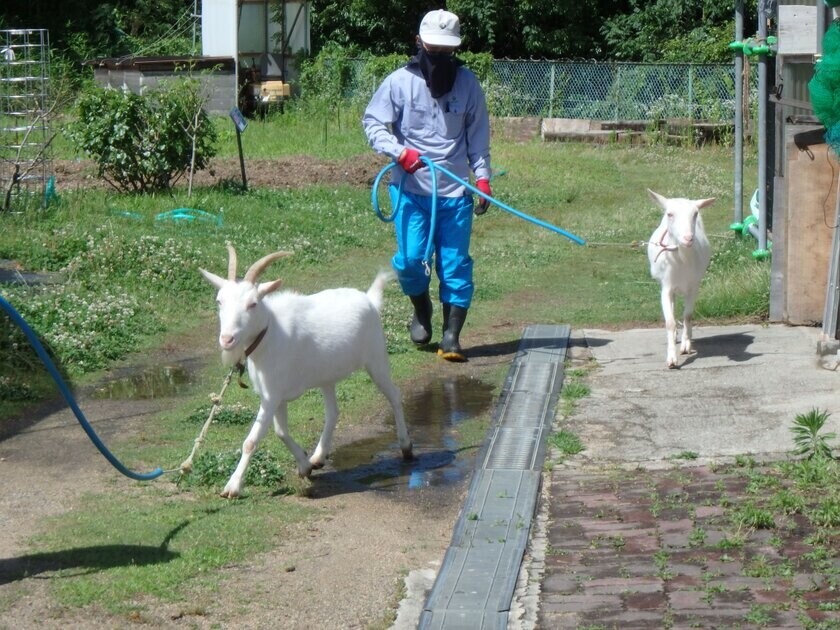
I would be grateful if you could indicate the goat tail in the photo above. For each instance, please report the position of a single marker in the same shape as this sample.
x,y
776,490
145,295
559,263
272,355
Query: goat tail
x,y
377,289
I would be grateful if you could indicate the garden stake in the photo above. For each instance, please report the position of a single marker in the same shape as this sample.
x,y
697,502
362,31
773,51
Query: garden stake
x,y
186,466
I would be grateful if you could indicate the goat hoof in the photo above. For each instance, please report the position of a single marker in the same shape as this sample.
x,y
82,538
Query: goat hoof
x,y
229,494
305,473
317,466
408,453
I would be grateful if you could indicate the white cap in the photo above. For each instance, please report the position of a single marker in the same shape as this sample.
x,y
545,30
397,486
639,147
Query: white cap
x,y
440,28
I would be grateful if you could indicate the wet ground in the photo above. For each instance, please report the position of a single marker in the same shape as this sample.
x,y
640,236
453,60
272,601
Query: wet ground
x,y
433,415
632,537
365,493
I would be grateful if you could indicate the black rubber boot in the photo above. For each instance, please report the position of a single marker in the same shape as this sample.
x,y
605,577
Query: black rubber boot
x,y
453,321
420,327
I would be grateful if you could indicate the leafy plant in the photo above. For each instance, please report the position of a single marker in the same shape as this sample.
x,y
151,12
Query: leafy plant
x,y
750,515
15,389
661,559
566,442
145,143
787,502
327,77
826,514
759,615
213,469
806,434
686,455
697,537
575,390
235,414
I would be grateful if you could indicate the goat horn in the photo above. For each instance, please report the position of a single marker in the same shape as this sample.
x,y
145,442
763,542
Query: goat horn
x,y
258,267
231,262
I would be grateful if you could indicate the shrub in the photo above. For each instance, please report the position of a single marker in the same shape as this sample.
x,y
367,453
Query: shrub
x,y
145,143
327,77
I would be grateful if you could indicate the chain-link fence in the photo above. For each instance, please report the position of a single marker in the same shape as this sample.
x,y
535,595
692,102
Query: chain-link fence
x,y
604,91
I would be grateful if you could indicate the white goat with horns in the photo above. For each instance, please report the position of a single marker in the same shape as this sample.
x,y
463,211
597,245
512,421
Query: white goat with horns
x,y
293,343
679,253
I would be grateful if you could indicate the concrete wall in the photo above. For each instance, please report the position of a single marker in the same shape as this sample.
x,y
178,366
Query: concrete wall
x,y
216,74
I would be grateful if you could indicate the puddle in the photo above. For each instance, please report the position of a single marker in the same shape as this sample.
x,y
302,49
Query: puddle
x,y
432,416
158,382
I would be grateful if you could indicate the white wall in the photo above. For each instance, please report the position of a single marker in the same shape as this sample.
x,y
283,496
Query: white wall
x,y
218,28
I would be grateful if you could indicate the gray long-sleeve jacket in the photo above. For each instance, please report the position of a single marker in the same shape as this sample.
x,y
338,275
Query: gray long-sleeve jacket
x,y
453,130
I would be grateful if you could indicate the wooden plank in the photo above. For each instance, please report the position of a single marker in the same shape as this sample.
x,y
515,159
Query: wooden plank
x,y
778,261
811,178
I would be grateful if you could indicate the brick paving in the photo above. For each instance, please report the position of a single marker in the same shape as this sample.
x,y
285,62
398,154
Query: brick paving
x,y
661,549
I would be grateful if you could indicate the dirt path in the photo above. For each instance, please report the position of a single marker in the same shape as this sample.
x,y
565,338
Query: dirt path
x,y
342,570
285,172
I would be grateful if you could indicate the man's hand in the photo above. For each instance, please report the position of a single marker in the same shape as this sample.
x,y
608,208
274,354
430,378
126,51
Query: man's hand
x,y
410,160
484,186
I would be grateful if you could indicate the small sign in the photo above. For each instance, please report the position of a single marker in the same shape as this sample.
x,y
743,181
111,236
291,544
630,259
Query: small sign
x,y
238,119
798,30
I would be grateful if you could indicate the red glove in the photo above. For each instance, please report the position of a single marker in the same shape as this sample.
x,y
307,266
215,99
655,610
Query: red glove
x,y
410,160
484,186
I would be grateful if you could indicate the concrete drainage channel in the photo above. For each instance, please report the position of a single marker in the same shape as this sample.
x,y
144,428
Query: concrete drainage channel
x,y
476,581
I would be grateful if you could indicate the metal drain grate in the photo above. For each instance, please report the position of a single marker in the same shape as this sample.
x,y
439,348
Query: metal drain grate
x,y
475,585
524,409
513,449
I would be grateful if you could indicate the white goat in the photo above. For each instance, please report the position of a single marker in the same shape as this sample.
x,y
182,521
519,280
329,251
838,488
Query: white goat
x,y
679,253
293,343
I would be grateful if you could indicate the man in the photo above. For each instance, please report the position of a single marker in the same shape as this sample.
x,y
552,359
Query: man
x,y
434,108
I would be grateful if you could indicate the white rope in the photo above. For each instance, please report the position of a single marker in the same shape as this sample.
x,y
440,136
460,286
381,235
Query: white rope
x,y
186,466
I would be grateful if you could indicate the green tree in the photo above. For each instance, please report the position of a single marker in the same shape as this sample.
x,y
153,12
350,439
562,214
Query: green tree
x,y
535,28
379,27
674,30
84,29
503,28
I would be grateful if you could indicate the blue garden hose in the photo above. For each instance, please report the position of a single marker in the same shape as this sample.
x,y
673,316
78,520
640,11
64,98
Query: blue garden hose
x,y
437,167
65,391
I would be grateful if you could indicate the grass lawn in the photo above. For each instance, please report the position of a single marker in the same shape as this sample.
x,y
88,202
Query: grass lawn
x,y
129,284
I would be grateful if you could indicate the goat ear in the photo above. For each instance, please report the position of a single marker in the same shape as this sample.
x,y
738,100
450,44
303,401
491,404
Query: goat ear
x,y
704,203
265,288
662,201
212,278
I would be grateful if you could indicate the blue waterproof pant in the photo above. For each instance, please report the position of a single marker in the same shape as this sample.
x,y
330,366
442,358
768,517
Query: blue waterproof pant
x,y
452,230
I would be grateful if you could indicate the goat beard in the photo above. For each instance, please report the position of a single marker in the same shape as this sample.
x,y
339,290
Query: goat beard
x,y
232,357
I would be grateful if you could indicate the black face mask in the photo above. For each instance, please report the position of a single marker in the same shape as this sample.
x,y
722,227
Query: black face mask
x,y
439,70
